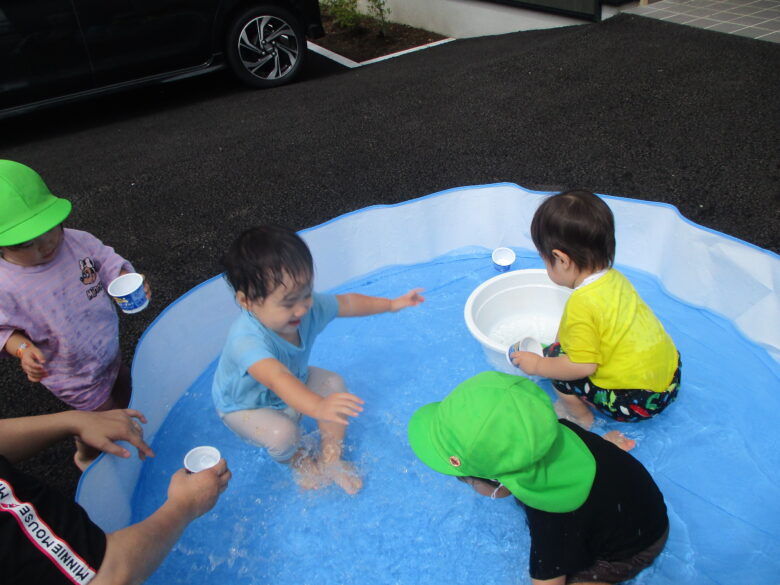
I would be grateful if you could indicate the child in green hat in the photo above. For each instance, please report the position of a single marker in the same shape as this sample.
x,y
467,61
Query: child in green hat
x,y
594,513
55,314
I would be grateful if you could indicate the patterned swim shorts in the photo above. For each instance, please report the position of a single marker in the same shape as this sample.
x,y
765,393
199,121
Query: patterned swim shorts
x,y
621,405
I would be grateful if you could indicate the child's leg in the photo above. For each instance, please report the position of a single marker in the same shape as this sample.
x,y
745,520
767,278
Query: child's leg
x,y
324,383
573,408
570,405
278,432
620,440
119,398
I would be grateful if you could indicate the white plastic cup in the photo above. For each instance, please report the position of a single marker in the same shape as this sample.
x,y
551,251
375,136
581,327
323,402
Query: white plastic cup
x,y
201,458
503,258
525,344
128,292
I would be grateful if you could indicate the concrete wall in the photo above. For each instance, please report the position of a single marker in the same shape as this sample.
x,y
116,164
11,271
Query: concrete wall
x,y
473,18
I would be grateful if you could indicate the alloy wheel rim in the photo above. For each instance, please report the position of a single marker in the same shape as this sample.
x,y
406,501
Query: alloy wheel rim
x,y
268,47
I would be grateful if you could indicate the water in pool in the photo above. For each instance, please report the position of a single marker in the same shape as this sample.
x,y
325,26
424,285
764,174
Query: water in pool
x,y
714,454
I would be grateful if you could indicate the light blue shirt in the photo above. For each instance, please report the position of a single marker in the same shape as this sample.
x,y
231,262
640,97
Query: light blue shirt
x,y
249,341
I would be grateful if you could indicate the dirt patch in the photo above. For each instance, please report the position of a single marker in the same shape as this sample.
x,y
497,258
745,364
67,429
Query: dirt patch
x,y
367,41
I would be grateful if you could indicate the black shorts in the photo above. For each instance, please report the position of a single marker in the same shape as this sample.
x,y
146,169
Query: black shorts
x,y
622,570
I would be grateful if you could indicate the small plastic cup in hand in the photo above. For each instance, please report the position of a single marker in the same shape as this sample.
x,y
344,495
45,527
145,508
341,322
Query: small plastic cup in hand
x,y
525,344
128,292
201,458
503,258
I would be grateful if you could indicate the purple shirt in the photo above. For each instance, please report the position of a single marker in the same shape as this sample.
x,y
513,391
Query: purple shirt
x,y
63,307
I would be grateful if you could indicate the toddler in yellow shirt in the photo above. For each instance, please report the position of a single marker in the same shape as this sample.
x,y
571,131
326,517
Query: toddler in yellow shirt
x,y
611,353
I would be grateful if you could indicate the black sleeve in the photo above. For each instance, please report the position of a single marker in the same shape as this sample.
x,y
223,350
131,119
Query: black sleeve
x,y
44,536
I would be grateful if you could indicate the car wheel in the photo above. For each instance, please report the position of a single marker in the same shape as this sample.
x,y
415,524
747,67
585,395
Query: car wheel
x,y
266,46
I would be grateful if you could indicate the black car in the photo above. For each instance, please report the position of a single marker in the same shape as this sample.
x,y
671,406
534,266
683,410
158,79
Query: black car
x,y
58,50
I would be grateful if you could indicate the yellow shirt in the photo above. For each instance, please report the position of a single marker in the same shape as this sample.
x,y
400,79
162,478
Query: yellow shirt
x,y
607,323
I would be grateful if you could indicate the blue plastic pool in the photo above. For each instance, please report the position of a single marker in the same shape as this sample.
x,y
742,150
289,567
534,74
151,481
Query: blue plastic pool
x,y
715,454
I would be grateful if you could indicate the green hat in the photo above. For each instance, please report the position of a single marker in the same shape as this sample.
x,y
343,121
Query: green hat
x,y
503,427
27,207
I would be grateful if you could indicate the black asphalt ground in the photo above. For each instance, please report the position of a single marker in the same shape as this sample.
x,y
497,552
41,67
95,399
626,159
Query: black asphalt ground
x,y
631,106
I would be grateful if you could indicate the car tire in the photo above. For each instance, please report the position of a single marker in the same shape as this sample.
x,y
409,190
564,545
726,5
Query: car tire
x,y
265,46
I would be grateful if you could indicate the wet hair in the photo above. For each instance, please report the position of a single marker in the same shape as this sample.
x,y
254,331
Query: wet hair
x,y
258,261
579,224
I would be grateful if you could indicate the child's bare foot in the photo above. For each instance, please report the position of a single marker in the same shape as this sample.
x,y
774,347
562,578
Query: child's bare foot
x,y
85,455
82,461
344,475
308,474
583,418
619,439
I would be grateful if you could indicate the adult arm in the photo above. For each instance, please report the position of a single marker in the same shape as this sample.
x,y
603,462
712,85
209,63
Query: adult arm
x,y
357,305
336,407
23,437
133,553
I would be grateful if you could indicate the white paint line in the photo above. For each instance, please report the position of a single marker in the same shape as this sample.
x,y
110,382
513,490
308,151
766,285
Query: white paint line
x,y
412,50
331,55
353,64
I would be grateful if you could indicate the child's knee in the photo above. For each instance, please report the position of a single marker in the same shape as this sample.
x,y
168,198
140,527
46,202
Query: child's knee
x,y
269,429
282,442
332,384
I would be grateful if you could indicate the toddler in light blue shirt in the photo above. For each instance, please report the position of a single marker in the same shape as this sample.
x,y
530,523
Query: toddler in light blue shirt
x,y
264,383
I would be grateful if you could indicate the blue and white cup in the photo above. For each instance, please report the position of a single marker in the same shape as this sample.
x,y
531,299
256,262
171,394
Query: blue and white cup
x,y
525,344
201,458
128,292
503,258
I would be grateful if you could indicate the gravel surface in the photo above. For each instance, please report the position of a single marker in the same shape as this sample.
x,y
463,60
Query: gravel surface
x,y
631,106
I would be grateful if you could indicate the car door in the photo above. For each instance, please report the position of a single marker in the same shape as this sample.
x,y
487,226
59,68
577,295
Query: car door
x,y
42,53
131,39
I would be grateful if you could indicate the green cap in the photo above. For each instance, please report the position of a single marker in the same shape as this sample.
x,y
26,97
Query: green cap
x,y
503,427
27,207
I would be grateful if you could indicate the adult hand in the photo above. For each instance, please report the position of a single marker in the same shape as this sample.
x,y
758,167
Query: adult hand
x,y
101,430
410,299
337,407
32,364
196,493
134,552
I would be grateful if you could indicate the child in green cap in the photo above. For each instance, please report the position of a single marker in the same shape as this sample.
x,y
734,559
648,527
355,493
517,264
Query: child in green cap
x,y
594,513
611,353
55,314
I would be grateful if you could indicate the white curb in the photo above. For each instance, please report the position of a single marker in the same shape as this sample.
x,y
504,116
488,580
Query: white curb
x,y
352,64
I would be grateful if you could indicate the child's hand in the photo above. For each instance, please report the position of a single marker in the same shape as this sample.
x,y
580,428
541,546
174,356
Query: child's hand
x,y
32,364
337,407
147,288
527,361
410,299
